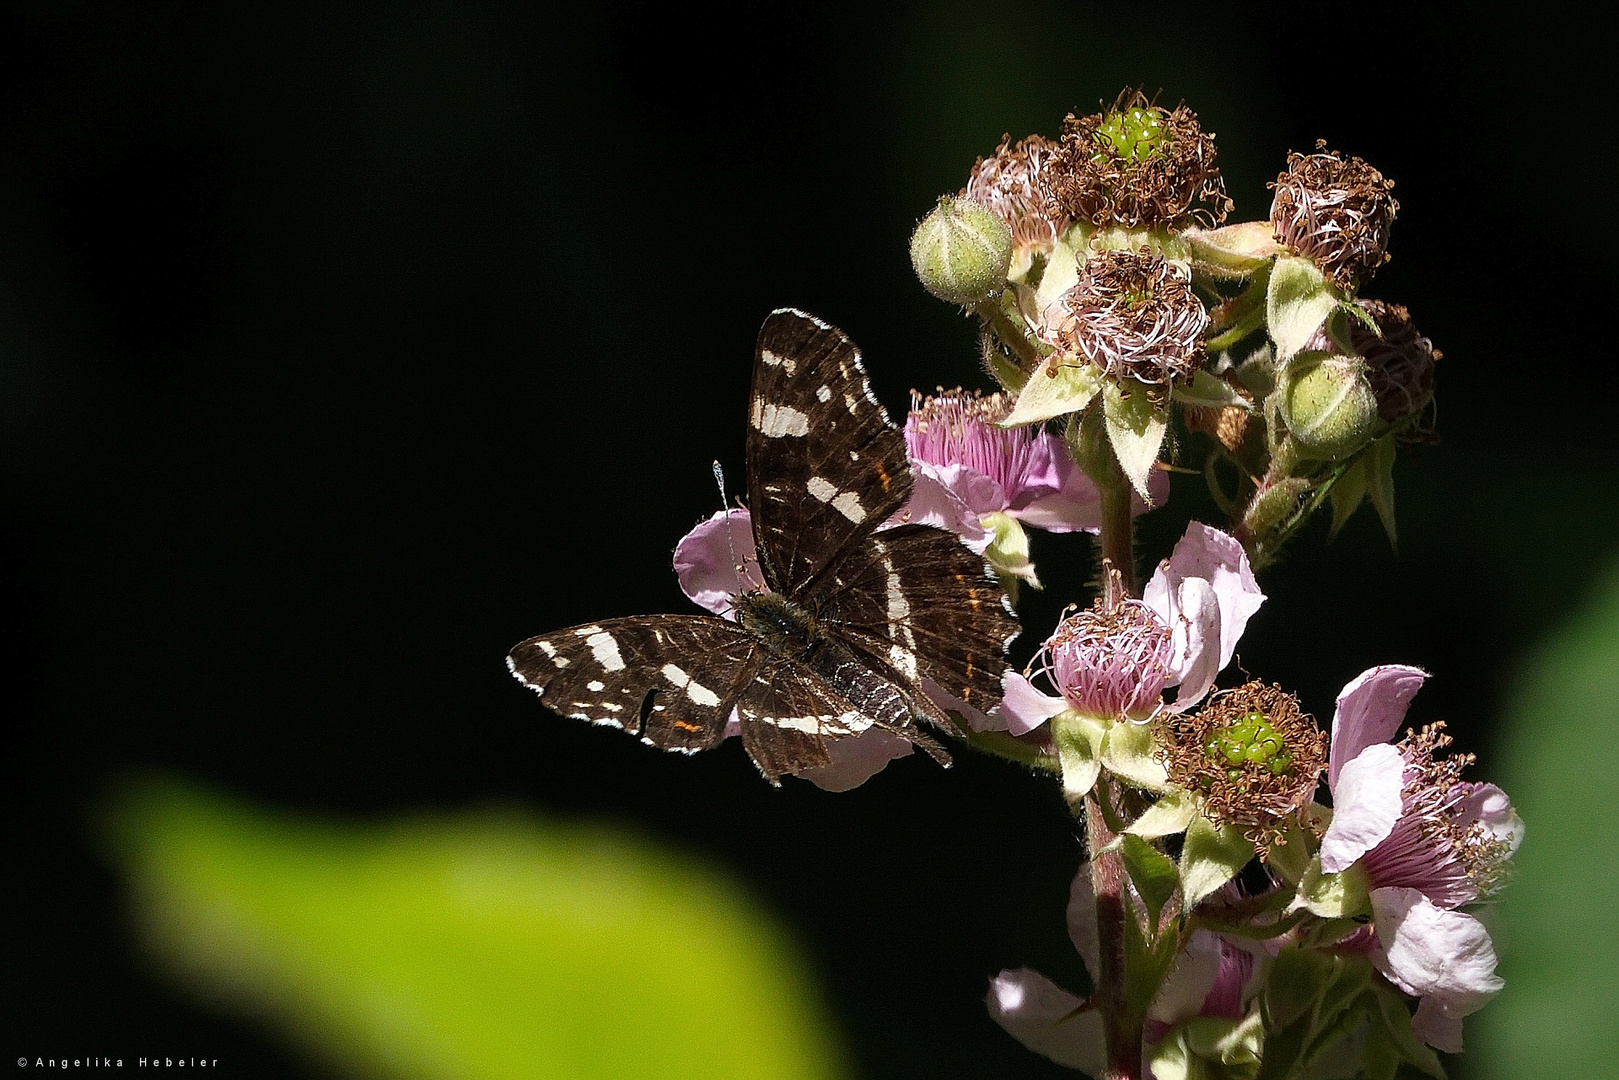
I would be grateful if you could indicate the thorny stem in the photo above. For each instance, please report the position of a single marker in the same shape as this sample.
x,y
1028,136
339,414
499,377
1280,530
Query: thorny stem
x,y
1108,879
1118,533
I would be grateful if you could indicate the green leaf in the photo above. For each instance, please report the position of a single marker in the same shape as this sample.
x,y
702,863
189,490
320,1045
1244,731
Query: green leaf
x,y
1299,300
477,945
1349,491
1135,427
1062,267
1061,384
1289,860
1129,753
1146,961
1008,551
1392,1020
1297,979
1555,754
1078,740
1208,392
1333,896
1170,814
1380,483
1153,873
1211,857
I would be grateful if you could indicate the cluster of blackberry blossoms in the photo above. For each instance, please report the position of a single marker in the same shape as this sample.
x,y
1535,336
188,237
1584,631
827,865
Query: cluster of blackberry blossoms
x,y
1233,924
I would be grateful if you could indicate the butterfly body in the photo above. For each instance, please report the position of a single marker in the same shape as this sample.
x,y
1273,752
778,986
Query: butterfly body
x,y
855,620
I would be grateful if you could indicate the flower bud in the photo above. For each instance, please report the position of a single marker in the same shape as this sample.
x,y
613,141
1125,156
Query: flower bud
x,y
1327,404
961,252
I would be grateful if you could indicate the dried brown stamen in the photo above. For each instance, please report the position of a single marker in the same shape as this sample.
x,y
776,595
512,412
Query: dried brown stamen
x,y
1134,316
1009,185
1334,212
1252,753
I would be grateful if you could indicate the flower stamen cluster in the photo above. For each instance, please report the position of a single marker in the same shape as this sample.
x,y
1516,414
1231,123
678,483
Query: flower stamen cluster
x,y
961,427
1111,663
1137,165
1009,185
1334,212
1134,315
1252,753
1440,839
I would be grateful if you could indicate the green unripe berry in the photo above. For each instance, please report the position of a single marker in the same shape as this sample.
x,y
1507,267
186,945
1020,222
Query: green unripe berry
x,y
1250,739
961,252
1133,133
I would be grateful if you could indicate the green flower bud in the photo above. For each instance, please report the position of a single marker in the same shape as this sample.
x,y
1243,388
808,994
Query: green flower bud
x,y
961,252
1328,404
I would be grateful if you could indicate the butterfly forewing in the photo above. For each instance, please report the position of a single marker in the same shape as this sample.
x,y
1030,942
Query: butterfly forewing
x,y
604,671
825,466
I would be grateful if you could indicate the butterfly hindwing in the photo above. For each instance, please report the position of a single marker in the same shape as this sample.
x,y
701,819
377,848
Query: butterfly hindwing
x,y
920,601
825,466
603,672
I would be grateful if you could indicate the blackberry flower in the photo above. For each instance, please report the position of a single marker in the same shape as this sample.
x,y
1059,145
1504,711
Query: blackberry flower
x,y
1334,212
1428,843
1134,315
1137,165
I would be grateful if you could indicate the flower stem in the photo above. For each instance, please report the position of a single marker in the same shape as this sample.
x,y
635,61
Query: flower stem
x,y
1108,878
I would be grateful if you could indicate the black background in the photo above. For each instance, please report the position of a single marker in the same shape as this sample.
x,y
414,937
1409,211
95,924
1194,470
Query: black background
x,y
342,348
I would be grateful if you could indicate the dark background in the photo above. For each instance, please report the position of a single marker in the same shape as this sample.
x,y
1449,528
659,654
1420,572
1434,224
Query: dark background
x,y
341,349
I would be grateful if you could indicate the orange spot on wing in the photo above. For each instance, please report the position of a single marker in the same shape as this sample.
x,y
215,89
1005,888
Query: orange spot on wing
x,y
882,474
683,726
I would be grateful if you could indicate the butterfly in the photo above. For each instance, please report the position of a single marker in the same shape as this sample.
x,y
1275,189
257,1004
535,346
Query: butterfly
x,y
854,622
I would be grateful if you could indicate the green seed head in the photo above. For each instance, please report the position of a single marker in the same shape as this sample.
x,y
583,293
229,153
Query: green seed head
x,y
1133,133
1251,739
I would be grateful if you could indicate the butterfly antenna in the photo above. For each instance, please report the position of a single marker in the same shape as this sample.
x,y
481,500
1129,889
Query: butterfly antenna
x,y
730,541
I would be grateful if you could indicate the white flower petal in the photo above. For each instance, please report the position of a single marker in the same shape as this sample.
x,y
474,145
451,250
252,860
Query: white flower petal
x,y
706,561
1022,707
1446,957
1191,977
856,759
1042,1016
1365,805
1082,929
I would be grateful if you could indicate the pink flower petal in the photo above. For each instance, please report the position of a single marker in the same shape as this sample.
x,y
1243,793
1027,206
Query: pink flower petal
x,y
1365,805
1043,1016
1194,626
1488,804
856,759
1370,710
1190,978
1082,929
1022,707
933,502
1433,1027
976,719
1217,558
706,563
1445,957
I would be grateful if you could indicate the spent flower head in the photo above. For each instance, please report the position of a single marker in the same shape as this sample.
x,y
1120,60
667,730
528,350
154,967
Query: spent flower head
x,y
1134,315
1337,213
1008,183
1399,365
1137,165
1252,753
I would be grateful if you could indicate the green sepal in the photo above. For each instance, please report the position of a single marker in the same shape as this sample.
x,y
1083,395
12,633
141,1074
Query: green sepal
x,y
1135,428
1147,959
1333,896
1008,552
1234,251
1290,859
1391,1025
1078,740
1062,265
1208,392
1153,873
1380,484
1170,814
1128,753
1212,856
1298,301
1061,384
1210,1048
1348,492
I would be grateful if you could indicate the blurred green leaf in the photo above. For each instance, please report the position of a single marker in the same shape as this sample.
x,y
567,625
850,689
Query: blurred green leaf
x,y
1554,929
475,946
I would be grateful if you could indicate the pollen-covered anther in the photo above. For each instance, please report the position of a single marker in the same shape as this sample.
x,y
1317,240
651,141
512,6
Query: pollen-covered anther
x,y
1252,753
1132,314
1111,663
1137,165
1008,184
1440,839
1399,367
1334,212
